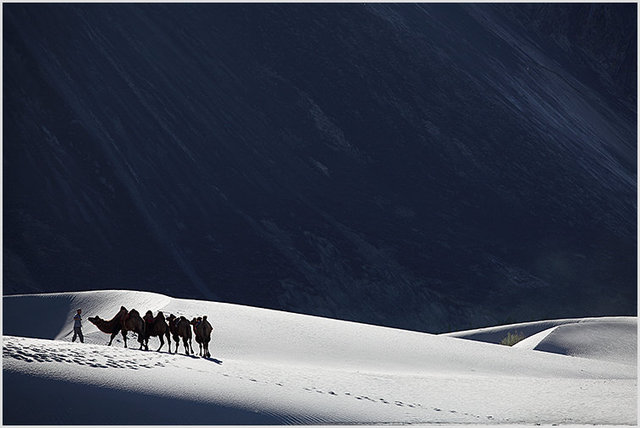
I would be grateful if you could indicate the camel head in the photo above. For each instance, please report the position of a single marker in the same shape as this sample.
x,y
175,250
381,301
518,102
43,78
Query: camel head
x,y
172,321
95,320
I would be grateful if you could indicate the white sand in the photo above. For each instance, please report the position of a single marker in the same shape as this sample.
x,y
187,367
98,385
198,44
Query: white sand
x,y
272,367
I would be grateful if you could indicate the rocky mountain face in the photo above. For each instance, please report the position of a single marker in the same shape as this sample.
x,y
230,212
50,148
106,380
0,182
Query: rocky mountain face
x,y
425,166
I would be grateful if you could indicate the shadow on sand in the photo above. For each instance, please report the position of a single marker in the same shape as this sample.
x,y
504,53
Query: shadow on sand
x,y
213,360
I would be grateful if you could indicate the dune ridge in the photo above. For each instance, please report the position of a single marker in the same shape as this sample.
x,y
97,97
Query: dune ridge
x,y
273,367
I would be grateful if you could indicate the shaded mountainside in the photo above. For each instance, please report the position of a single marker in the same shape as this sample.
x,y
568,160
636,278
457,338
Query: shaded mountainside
x,y
431,167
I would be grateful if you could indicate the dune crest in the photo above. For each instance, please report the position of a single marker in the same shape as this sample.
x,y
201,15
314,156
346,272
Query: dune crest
x,y
271,367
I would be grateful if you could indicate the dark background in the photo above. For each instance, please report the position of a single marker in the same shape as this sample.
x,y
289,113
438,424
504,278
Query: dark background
x,y
433,167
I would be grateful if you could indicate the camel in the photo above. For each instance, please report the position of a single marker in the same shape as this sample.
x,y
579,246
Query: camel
x,y
202,330
179,327
132,321
156,327
172,321
113,326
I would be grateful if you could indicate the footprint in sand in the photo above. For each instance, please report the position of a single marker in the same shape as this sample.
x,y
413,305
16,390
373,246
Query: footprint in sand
x,y
98,366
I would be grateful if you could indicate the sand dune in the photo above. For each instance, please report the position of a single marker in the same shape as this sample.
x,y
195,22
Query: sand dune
x,y
273,367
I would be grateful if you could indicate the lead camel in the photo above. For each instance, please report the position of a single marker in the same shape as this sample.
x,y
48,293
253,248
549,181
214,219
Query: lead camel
x,y
113,326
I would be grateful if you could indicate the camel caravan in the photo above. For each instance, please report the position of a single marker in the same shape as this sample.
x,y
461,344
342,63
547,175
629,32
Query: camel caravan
x,y
159,326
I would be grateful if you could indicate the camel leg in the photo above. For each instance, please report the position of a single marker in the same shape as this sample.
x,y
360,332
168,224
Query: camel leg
x,y
124,337
176,339
186,348
145,343
190,346
161,343
112,336
169,342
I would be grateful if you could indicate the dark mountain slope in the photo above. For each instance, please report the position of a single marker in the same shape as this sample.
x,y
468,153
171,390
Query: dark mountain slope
x,y
431,167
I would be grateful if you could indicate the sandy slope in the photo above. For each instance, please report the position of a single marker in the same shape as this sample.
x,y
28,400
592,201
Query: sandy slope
x,y
275,367
605,340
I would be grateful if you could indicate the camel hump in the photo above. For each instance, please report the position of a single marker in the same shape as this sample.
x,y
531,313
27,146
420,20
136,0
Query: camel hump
x,y
204,318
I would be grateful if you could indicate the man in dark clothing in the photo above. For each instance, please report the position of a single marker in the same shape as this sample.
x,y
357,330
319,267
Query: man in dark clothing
x,y
148,317
77,327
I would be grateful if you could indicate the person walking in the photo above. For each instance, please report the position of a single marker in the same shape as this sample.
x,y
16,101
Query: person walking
x,y
77,327
148,318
